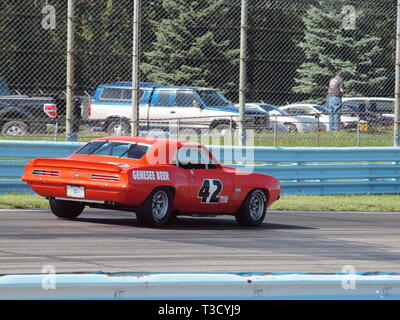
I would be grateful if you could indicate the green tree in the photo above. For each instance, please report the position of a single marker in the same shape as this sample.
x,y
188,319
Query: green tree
x,y
27,48
188,49
330,43
103,42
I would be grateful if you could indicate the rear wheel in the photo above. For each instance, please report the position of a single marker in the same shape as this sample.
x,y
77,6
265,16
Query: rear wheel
x,y
222,130
252,211
66,209
14,128
156,211
118,128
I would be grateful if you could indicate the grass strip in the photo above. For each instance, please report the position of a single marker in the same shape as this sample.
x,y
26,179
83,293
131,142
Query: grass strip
x,y
22,201
346,202
370,203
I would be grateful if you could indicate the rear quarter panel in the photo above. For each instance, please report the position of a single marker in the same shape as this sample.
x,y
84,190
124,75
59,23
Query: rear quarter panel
x,y
145,179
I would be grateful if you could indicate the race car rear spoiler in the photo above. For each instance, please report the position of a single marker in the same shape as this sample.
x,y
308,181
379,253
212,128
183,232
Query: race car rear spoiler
x,y
76,164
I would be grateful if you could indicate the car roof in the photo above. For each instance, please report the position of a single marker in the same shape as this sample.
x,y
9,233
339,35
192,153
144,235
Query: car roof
x,y
367,98
309,105
150,141
128,85
149,85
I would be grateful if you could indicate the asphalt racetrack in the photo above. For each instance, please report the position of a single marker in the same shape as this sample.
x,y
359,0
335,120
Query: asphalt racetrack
x,y
112,241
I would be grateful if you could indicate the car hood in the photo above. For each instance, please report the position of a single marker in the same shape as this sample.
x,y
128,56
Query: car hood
x,y
299,119
235,109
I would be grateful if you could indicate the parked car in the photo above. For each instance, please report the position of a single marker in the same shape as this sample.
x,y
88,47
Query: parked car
x,y
22,114
383,106
373,119
293,123
156,179
319,112
167,108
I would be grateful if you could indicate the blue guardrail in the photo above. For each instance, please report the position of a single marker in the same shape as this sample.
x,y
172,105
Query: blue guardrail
x,y
300,170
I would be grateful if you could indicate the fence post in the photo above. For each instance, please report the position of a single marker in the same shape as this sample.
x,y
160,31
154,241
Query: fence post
x,y
358,131
275,129
318,130
397,83
70,71
242,72
135,69
231,131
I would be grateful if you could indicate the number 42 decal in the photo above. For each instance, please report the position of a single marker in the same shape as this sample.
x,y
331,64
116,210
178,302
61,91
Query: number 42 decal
x,y
210,190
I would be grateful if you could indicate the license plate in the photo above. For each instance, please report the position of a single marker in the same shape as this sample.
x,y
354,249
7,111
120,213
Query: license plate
x,y
75,191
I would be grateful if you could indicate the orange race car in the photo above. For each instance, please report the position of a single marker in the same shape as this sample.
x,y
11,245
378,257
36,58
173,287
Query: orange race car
x,y
155,178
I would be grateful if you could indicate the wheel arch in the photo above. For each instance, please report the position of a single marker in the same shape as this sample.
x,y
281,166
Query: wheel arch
x,y
251,189
216,122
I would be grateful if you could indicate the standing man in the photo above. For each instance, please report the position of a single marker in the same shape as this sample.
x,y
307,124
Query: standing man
x,y
334,100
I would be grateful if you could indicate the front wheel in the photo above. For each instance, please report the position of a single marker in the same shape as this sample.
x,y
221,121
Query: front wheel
x,y
252,211
66,209
156,210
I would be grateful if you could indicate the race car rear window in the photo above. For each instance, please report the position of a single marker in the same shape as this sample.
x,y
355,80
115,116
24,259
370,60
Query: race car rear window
x,y
114,149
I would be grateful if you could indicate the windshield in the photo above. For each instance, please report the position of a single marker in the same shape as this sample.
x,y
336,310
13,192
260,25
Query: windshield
x,y
114,149
213,98
273,110
321,109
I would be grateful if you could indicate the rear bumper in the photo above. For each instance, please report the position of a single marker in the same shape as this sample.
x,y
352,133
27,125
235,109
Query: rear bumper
x,y
124,194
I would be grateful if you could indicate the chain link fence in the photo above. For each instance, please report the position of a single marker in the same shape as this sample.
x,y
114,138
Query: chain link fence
x,y
189,69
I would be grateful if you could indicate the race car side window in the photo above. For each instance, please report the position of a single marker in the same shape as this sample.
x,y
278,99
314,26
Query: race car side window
x,y
193,158
136,151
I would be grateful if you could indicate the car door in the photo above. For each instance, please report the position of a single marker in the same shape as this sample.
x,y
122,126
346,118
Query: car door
x,y
160,105
209,186
186,109
385,108
126,100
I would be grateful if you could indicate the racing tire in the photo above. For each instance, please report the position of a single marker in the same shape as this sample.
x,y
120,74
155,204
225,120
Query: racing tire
x,y
14,128
118,128
66,209
252,211
156,210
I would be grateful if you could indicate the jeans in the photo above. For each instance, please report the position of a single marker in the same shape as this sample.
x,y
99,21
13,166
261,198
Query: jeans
x,y
334,107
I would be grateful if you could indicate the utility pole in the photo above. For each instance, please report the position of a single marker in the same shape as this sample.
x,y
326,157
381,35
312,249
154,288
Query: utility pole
x,y
135,69
397,83
69,102
242,72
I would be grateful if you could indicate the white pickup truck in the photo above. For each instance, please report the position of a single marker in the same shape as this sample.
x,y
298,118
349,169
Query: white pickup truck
x,y
166,108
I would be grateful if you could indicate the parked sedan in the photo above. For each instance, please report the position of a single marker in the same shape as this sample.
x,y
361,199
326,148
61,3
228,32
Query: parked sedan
x,y
293,123
382,106
319,112
374,120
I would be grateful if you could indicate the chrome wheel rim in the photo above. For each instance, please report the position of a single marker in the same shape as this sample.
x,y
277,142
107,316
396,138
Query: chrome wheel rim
x,y
159,205
118,130
257,205
14,131
223,130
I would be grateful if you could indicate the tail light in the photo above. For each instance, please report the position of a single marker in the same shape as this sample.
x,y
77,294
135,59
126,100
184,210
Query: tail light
x,y
105,177
51,110
89,109
48,173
